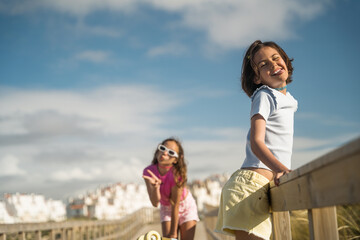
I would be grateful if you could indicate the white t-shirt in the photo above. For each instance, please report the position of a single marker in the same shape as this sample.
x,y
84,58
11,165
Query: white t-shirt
x,y
278,111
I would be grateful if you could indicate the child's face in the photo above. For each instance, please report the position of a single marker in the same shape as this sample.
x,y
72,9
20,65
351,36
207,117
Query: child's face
x,y
163,157
273,71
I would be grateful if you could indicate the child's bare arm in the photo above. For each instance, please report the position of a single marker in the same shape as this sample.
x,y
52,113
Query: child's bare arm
x,y
153,188
257,140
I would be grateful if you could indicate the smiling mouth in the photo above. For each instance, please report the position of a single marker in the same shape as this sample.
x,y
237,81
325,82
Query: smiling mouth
x,y
277,72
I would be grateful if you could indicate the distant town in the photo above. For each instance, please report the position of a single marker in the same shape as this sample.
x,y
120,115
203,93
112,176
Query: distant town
x,y
104,203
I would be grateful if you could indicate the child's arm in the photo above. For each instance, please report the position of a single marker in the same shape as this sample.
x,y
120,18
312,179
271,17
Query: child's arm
x,y
257,141
176,193
153,188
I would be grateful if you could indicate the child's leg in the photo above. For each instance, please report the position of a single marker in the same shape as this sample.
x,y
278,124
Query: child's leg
x,y
187,230
165,226
242,235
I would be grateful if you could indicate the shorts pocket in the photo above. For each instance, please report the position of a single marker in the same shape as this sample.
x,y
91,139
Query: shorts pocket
x,y
261,202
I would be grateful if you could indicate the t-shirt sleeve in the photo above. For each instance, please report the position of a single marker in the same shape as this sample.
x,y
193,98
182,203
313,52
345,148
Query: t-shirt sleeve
x,y
262,104
145,172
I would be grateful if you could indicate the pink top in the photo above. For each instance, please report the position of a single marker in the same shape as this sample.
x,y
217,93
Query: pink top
x,y
168,182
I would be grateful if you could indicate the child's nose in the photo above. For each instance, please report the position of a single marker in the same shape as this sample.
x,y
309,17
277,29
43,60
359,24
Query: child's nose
x,y
273,64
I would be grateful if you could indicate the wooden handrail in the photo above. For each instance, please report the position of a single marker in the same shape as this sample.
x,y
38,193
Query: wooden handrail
x,y
124,228
318,187
332,179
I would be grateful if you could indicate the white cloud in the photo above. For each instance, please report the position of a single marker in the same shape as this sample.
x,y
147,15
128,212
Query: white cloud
x,y
307,149
175,49
93,56
128,170
300,158
109,135
9,166
334,120
233,23
93,135
76,174
77,8
227,24
305,143
214,155
107,31
110,109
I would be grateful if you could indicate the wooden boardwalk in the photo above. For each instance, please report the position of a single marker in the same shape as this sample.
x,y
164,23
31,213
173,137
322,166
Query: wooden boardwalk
x,y
200,233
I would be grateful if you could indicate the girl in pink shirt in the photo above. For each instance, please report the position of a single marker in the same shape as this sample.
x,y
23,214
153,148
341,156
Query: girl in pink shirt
x,y
165,180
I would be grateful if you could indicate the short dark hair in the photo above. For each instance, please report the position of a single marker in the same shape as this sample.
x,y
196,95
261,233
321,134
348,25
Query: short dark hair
x,y
250,70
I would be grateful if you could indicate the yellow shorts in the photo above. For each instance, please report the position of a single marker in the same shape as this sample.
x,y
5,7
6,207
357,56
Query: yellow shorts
x,y
244,205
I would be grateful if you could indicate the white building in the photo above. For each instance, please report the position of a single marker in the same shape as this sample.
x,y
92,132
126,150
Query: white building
x,y
21,208
110,202
4,215
208,191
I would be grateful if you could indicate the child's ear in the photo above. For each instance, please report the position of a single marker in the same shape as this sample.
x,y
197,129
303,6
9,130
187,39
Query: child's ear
x,y
257,80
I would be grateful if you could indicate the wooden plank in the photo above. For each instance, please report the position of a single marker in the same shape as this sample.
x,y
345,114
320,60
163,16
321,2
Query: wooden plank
x,y
345,151
88,233
281,226
72,232
93,228
323,224
22,236
63,234
81,233
337,183
38,235
311,225
32,227
52,234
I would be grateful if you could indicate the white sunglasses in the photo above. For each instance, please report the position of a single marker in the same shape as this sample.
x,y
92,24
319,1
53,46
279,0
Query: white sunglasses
x,y
171,153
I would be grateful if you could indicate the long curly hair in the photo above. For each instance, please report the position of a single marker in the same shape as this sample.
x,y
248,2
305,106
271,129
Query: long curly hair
x,y
250,71
179,168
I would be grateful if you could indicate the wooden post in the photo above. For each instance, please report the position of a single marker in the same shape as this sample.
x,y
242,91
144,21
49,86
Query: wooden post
x,y
63,234
88,231
107,230
38,235
81,233
22,236
2,236
281,226
323,224
52,234
73,233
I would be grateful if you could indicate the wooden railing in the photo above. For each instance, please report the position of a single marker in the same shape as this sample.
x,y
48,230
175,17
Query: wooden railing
x,y
125,228
318,187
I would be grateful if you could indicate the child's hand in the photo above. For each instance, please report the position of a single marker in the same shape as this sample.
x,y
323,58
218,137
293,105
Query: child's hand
x,y
154,180
278,175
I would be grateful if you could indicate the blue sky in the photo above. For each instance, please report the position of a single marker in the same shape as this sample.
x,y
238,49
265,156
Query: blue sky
x,y
89,88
